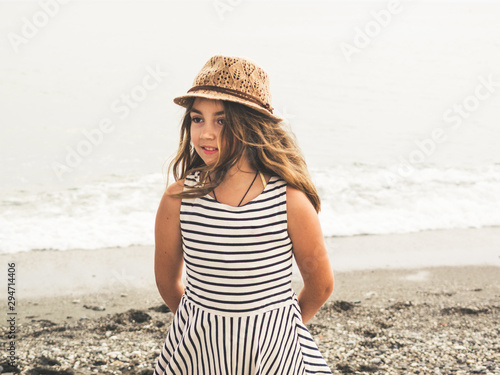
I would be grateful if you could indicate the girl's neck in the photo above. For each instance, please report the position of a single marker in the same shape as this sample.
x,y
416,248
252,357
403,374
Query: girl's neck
x,y
238,185
242,169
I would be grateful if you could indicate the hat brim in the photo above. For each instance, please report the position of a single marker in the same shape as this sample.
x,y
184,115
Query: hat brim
x,y
208,94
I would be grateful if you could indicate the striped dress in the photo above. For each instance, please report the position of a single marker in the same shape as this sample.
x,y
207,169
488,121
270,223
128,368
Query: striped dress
x,y
239,314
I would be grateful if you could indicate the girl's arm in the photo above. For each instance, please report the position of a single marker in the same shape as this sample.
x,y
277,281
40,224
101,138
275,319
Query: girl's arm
x,y
168,248
310,253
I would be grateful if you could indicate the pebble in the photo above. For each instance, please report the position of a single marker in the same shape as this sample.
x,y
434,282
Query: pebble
x,y
376,361
370,295
95,308
113,354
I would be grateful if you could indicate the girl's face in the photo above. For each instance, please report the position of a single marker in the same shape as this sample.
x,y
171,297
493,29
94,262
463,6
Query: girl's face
x,y
207,120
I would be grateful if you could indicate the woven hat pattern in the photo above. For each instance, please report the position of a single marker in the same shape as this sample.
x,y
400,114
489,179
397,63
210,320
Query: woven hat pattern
x,y
234,79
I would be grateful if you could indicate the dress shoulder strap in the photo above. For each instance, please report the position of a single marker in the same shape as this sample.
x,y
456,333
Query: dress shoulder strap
x,y
264,182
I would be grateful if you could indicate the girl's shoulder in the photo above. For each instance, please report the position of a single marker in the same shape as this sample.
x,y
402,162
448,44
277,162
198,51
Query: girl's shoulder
x,y
170,204
175,188
297,200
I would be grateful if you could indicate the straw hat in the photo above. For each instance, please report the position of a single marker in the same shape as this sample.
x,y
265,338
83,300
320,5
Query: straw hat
x,y
234,79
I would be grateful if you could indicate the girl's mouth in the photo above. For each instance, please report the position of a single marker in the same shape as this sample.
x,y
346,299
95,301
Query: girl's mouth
x,y
209,150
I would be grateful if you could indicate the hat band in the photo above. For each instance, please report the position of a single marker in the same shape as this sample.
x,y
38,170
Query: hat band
x,y
237,93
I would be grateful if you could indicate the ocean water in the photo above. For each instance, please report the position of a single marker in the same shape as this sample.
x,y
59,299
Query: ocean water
x,y
401,133
356,199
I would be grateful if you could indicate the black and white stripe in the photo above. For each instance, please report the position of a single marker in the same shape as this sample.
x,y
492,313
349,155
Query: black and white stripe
x,y
239,313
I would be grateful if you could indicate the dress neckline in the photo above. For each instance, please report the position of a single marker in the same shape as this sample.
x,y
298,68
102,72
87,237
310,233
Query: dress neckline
x,y
208,196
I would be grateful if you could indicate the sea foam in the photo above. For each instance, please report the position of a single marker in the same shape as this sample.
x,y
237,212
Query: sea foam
x,y
356,199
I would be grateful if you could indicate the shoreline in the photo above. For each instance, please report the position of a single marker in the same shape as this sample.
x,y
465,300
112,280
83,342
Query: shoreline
x,y
44,273
443,247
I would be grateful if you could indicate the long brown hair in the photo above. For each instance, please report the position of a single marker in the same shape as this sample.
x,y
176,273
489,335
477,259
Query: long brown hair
x,y
270,148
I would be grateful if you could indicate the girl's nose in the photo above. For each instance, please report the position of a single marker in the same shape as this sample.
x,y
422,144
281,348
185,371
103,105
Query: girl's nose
x,y
208,131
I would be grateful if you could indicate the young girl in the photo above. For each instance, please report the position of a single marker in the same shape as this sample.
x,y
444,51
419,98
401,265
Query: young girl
x,y
242,205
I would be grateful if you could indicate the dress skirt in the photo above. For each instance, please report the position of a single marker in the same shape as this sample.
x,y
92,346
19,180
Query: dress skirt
x,y
273,342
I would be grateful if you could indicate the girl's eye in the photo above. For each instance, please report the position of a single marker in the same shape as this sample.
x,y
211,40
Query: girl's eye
x,y
220,121
196,119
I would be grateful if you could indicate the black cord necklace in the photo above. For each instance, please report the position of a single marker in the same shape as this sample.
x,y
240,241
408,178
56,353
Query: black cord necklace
x,y
239,204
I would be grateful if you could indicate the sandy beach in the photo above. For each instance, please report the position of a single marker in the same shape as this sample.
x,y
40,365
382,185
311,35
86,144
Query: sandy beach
x,y
98,311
